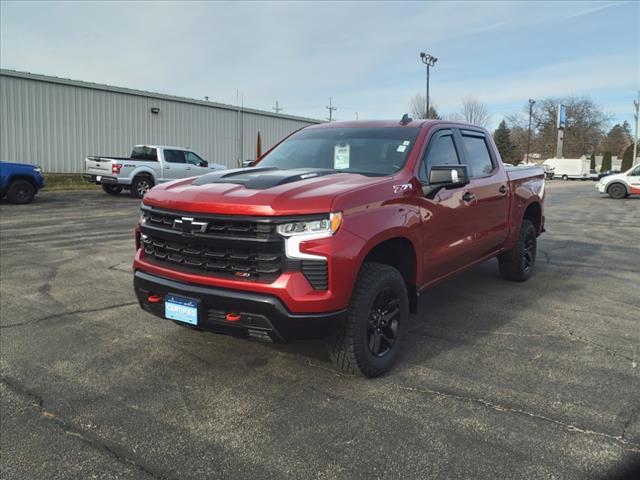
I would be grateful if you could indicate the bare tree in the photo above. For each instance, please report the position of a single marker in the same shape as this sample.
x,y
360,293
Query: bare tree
x,y
418,106
475,112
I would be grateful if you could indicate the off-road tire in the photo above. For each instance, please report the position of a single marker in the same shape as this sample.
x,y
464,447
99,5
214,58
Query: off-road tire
x,y
141,185
617,191
21,192
349,349
517,264
112,189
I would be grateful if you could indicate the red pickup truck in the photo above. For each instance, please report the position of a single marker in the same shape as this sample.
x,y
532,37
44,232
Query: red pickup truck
x,y
335,232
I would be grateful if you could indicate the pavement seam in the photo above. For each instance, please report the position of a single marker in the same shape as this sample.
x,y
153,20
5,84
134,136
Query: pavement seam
x,y
64,314
93,441
631,446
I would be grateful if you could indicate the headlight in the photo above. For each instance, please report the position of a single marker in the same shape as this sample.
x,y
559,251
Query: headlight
x,y
37,169
298,232
327,226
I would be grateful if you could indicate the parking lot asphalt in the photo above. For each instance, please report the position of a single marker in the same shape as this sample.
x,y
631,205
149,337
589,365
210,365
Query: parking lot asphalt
x,y
497,380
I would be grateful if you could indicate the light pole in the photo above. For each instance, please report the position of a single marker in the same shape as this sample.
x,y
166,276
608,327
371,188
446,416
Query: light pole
x,y
531,103
635,141
429,60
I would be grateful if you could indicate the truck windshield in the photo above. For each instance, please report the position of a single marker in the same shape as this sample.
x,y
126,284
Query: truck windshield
x,y
368,151
144,153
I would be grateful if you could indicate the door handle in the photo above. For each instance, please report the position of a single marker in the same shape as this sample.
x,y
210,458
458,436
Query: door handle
x,y
503,189
468,197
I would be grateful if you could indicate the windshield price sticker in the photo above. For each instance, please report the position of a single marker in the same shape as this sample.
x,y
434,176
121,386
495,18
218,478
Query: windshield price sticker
x,y
401,148
341,157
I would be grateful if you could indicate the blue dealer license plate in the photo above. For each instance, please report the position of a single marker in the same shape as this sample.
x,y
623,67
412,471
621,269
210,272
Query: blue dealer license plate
x,y
181,309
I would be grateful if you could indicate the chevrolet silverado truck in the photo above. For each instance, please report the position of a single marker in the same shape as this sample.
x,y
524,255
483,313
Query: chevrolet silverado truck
x,y
335,232
621,185
20,182
147,166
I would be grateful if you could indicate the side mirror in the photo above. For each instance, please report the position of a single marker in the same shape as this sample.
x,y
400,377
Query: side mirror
x,y
247,163
448,176
204,163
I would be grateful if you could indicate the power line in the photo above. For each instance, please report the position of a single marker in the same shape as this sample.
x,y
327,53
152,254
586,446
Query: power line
x,y
277,108
331,110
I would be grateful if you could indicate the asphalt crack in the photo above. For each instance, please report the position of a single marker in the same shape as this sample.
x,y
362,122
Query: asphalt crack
x,y
619,439
64,314
117,452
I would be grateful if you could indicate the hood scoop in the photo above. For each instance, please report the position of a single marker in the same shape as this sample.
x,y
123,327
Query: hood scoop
x,y
257,178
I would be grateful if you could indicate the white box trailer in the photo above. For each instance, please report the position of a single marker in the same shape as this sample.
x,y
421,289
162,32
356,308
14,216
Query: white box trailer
x,y
569,168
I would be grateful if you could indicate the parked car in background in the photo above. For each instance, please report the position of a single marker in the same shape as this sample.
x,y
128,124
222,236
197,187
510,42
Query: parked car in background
x,y
337,230
621,185
569,168
20,182
147,166
608,172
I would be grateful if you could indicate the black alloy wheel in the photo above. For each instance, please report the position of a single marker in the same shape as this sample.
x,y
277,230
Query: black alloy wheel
x,y
384,321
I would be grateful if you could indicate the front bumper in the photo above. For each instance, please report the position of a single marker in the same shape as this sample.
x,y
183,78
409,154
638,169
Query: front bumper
x,y
260,315
600,187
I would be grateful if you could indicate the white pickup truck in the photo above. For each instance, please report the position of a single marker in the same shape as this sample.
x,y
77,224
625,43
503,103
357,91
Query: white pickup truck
x,y
147,166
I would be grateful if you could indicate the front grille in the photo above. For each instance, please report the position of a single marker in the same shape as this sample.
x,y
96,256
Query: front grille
x,y
264,264
242,248
224,227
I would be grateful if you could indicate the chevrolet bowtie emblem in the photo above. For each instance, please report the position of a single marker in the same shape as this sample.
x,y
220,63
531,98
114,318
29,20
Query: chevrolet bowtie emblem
x,y
188,225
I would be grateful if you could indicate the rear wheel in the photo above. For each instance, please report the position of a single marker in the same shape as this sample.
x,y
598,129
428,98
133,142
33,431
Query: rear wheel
x,y
140,186
112,189
369,340
565,177
617,191
21,192
517,264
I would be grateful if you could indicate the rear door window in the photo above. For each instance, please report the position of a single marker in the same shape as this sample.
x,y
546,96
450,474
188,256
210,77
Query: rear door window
x,y
174,156
477,156
144,153
441,151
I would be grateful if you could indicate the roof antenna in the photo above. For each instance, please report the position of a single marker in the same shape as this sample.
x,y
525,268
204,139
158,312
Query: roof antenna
x,y
405,119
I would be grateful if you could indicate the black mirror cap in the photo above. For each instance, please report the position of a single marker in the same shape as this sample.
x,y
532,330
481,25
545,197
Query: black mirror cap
x,y
204,163
247,163
448,176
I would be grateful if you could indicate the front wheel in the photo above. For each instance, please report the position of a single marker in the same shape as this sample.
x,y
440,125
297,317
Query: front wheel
x,y
112,189
517,264
617,191
369,340
21,192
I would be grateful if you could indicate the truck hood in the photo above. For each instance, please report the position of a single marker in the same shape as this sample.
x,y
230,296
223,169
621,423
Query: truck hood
x,y
259,191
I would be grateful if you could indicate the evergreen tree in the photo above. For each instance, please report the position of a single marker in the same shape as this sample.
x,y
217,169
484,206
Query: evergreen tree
x,y
606,162
502,137
593,162
627,159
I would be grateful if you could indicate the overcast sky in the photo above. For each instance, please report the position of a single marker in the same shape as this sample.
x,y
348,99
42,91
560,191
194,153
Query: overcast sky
x,y
364,55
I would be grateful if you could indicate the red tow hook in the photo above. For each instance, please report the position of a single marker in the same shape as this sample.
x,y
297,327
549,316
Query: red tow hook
x,y
154,298
233,317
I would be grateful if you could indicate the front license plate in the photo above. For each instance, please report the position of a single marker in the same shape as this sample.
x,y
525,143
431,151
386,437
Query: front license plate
x,y
181,309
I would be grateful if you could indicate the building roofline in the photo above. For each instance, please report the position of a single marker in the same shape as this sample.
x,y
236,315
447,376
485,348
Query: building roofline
x,y
144,93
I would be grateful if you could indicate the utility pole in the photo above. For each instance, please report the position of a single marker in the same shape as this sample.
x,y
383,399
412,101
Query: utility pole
x,y
331,109
357,118
531,103
429,60
277,108
636,103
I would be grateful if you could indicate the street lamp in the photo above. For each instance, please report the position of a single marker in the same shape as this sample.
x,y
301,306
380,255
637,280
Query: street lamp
x,y
429,60
531,103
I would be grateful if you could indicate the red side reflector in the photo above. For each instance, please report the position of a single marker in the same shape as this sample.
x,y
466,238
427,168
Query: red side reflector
x,y
233,317
154,299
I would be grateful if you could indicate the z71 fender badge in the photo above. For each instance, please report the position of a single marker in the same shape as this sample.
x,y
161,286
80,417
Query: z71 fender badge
x,y
405,187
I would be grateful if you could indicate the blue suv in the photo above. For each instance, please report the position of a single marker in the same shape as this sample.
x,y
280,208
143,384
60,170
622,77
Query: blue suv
x,y
20,182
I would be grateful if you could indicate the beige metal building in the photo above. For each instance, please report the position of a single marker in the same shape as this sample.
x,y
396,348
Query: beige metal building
x,y
56,122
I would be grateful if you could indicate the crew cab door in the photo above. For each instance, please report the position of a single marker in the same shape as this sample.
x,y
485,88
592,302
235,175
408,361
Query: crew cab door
x,y
488,191
633,177
174,165
446,215
196,165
